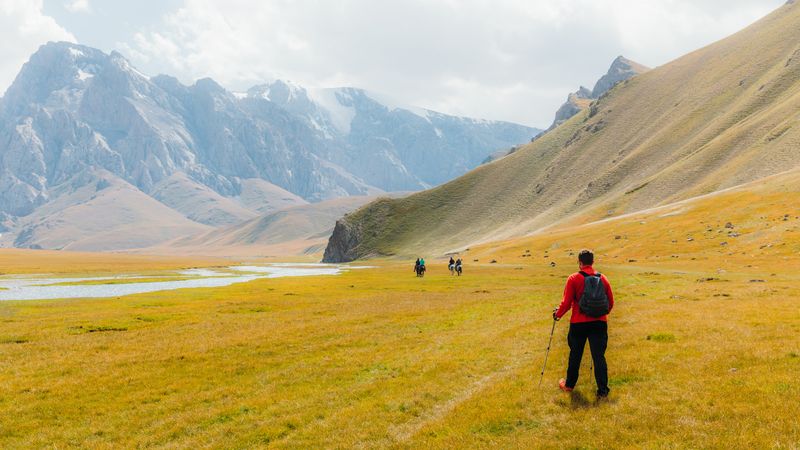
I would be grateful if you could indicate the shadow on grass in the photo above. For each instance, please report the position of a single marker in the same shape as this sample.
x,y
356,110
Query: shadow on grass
x,y
577,400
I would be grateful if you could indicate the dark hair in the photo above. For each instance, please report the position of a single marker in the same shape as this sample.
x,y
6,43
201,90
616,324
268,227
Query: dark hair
x,y
586,257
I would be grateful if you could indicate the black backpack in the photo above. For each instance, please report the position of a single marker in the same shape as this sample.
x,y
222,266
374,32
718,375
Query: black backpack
x,y
594,301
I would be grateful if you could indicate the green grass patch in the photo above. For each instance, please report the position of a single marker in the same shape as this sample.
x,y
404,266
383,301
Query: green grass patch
x,y
151,319
622,380
504,427
81,329
661,337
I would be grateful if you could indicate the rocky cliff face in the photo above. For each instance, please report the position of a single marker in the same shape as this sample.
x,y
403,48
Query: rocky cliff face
x,y
389,144
576,102
621,69
343,243
73,109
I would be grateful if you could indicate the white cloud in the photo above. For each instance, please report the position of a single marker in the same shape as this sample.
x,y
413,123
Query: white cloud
x,y
23,28
78,6
501,59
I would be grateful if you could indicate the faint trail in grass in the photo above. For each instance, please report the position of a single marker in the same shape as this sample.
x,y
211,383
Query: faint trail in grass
x,y
403,433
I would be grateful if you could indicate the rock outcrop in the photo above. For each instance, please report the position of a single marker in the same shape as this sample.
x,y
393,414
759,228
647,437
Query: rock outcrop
x,y
621,69
343,243
576,102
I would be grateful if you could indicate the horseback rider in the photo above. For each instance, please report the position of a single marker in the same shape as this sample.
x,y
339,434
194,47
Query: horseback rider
x,y
458,266
416,266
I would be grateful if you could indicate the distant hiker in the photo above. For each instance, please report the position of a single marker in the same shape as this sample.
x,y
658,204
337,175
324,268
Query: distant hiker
x,y
458,267
419,267
452,266
588,294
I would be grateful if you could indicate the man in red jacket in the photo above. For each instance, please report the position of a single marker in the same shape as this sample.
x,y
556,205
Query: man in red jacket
x,y
583,326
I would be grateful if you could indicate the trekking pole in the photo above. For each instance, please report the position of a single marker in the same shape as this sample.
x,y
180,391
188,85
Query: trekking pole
x,y
547,352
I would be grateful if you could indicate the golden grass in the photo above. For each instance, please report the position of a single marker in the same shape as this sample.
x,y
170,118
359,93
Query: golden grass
x,y
703,349
17,261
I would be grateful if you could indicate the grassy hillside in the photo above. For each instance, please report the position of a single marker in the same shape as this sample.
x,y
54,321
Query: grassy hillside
x,y
720,116
702,353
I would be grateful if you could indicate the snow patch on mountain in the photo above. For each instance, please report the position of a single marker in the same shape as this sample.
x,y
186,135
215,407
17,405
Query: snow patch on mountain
x,y
76,53
393,104
83,75
338,104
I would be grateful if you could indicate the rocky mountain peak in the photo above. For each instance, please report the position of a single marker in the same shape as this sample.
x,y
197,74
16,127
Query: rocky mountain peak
x,y
210,86
583,92
621,69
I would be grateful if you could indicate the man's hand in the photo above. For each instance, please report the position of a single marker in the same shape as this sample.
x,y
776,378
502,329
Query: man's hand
x,y
555,317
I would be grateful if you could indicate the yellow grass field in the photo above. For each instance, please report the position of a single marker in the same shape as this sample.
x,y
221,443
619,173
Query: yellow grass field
x,y
14,261
703,353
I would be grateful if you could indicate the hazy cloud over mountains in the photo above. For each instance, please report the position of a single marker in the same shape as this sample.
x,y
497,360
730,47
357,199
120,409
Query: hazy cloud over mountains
x,y
23,28
506,59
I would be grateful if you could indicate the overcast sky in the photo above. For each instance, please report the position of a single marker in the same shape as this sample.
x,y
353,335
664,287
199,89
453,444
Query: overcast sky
x,y
511,60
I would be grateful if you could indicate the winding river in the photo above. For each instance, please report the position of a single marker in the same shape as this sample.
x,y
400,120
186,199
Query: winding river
x,y
44,287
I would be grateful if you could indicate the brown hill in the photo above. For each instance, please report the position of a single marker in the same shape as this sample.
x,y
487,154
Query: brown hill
x,y
98,211
296,230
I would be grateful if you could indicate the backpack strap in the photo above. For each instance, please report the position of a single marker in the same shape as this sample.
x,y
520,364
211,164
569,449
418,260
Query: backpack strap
x,y
586,275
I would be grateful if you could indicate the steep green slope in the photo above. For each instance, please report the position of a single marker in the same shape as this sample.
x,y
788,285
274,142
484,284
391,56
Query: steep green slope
x,y
718,117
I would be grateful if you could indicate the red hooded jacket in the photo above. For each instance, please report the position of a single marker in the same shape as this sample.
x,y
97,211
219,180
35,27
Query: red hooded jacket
x,y
573,292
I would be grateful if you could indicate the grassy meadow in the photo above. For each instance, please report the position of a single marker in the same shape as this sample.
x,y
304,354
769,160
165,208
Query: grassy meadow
x,y
703,351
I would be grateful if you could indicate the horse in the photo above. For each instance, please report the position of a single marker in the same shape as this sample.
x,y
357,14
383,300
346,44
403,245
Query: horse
x,y
452,268
458,269
420,270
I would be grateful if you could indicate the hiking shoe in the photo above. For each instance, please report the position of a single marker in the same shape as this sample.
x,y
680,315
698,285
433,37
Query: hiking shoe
x,y
562,384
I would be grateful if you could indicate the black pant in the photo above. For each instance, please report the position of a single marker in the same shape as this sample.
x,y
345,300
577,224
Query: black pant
x,y
597,334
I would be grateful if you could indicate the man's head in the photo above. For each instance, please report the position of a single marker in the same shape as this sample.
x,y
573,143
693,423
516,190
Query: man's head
x,y
586,257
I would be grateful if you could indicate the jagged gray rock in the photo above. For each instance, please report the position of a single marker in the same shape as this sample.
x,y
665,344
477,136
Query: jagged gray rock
x,y
621,69
343,243
576,102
